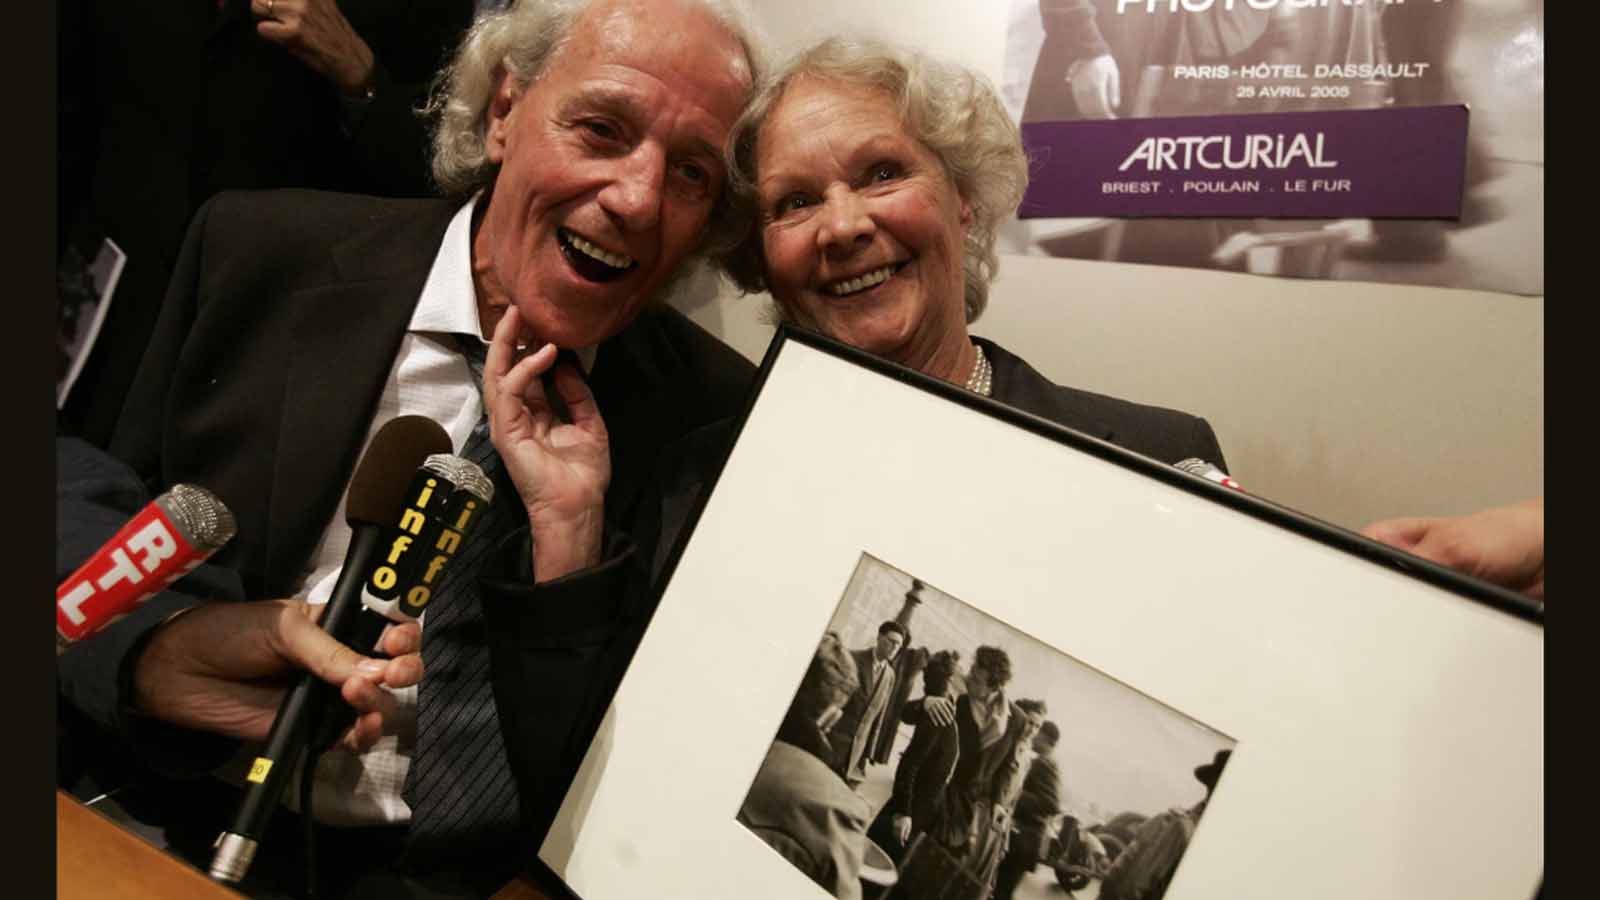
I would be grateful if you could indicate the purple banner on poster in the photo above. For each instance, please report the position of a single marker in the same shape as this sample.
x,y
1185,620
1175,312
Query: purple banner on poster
x,y
1404,163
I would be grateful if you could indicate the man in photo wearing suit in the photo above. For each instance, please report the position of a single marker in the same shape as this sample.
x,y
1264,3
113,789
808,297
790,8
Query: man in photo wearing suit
x,y
863,716
1036,814
579,146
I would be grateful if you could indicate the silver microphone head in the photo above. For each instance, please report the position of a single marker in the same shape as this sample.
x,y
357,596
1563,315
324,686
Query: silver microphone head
x,y
1194,465
202,518
463,473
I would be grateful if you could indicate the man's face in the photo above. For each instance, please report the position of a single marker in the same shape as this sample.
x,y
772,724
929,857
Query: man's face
x,y
610,167
889,643
1030,728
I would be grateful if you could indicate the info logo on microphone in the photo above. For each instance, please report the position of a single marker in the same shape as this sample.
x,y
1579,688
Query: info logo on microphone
x,y
458,515
427,491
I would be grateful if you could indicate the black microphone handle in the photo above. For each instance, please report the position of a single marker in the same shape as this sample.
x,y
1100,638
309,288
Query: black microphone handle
x,y
307,702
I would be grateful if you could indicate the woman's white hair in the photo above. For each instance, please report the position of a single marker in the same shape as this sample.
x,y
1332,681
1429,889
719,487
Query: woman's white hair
x,y
951,110
521,40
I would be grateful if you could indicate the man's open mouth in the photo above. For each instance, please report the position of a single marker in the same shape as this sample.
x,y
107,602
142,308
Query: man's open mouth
x,y
590,260
865,281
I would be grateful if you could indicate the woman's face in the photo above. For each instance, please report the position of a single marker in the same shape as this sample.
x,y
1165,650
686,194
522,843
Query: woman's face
x,y
862,232
978,684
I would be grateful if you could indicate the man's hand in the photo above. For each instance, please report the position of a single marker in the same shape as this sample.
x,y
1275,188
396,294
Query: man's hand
x,y
830,718
224,668
941,711
561,470
1504,545
1097,87
1001,818
319,35
902,828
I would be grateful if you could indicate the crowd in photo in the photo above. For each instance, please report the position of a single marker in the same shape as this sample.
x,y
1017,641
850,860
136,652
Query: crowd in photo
x,y
978,798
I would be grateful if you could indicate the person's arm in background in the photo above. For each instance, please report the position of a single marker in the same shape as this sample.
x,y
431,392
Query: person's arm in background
x,y
317,33
379,93
1503,545
1096,82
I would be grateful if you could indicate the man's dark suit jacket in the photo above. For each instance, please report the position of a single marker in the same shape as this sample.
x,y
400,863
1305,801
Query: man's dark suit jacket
x,y
856,732
920,778
163,104
1039,803
281,326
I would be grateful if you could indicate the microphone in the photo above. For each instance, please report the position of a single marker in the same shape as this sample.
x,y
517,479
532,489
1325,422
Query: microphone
x,y
445,497
166,540
1194,465
448,495
376,497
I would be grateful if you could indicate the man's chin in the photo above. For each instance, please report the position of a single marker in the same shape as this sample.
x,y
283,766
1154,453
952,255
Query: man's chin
x,y
569,329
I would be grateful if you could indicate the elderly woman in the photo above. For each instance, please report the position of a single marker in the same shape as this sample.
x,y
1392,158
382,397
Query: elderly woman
x,y
877,178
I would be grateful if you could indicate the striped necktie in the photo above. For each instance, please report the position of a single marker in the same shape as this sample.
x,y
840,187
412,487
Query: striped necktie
x,y
459,786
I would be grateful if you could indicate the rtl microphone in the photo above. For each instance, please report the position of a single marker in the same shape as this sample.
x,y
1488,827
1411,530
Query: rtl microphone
x,y
166,540
1194,465
375,499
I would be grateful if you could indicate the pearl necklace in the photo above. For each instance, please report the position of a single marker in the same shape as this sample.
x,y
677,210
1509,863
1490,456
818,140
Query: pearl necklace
x,y
981,379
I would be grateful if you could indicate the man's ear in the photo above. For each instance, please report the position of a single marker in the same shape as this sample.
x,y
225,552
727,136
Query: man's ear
x,y
498,115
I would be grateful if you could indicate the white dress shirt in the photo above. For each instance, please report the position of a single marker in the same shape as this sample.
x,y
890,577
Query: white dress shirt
x,y
429,378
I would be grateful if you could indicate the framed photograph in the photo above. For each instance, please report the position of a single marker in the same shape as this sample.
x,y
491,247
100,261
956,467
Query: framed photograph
x,y
921,646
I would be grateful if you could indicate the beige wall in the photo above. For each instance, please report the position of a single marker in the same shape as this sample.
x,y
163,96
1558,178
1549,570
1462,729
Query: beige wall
x,y
1346,400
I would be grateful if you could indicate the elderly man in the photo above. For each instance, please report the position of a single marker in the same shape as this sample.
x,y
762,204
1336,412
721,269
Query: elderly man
x,y
580,143
857,727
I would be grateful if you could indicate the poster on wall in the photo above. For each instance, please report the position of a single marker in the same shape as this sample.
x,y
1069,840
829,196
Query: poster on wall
x,y
1397,141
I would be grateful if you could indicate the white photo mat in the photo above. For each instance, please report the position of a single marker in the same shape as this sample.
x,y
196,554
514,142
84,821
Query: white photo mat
x,y
1390,730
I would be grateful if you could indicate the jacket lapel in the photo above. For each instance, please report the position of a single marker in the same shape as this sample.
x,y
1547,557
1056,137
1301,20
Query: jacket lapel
x,y
633,376
344,341
1018,384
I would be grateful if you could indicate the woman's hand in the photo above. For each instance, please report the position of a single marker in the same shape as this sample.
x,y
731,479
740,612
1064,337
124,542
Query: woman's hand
x,y
561,470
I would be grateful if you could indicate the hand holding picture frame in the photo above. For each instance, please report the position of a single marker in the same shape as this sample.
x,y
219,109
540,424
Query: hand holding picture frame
x,y
1383,717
